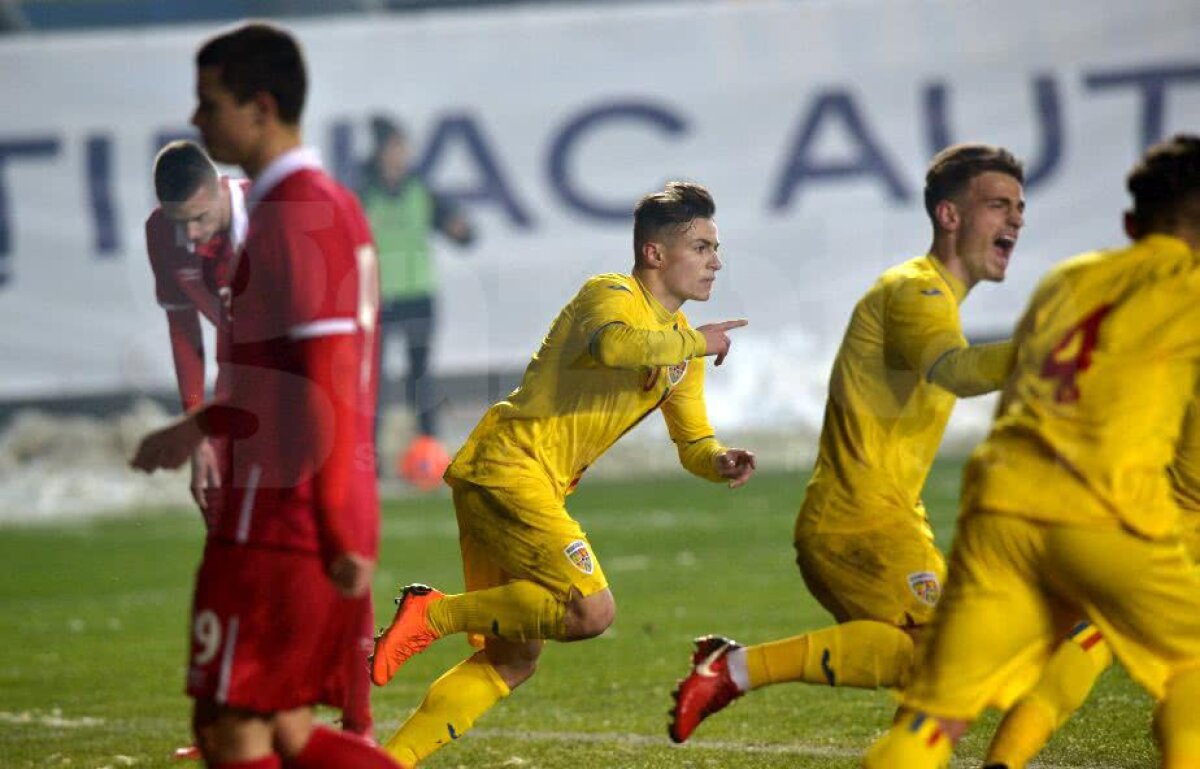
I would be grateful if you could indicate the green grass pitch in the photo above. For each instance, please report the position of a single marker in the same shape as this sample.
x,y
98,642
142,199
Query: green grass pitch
x,y
93,624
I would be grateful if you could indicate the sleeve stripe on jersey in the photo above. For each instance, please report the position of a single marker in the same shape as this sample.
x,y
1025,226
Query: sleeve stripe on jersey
x,y
324,327
596,335
176,307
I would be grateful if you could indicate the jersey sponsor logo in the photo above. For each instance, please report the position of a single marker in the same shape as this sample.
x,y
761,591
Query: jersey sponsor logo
x,y
676,373
580,556
925,586
932,292
618,287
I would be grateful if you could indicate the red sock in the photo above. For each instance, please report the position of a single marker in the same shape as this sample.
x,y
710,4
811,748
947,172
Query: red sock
x,y
329,749
268,762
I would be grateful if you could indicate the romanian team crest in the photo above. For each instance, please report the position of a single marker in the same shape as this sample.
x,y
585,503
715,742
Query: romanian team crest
x,y
578,554
675,373
925,587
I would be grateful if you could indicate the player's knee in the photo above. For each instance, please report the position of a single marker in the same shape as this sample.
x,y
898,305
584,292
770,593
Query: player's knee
x,y
226,733
591,616
515,663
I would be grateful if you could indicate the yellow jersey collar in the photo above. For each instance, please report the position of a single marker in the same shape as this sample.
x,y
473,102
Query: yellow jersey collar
x,y
661,314
957,287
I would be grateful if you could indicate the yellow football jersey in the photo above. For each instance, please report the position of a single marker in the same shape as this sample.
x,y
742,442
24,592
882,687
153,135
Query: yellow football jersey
x,y
1185,478
884,419
1108,354
1185,470
569,407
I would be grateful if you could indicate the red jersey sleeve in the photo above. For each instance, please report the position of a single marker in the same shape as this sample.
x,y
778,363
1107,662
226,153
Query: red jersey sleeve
x,y
168,262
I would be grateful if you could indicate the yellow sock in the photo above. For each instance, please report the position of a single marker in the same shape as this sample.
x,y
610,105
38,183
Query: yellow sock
x,y
517,611
862,654
915,741
450,708
1177,722
1064,686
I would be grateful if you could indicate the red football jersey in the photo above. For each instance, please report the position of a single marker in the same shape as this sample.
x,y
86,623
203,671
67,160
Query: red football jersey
x,y
196,278
307,270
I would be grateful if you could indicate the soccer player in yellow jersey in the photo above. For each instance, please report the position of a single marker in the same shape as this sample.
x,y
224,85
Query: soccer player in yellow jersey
x,y
1081,658
619,350
863,543
1068,507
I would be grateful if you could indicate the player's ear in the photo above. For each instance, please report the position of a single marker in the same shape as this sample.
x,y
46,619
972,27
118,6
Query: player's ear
x,y
265,106
1131,226
946,214
652,254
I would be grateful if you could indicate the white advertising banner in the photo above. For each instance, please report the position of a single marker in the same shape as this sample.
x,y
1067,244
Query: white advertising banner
x,y
811,122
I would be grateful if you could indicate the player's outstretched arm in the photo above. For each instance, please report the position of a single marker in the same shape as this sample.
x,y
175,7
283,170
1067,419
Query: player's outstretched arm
x,y
974,370
716,338
171,446
737,465
617,345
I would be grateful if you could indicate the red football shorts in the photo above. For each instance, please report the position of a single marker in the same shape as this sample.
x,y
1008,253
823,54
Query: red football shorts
x,y
269,632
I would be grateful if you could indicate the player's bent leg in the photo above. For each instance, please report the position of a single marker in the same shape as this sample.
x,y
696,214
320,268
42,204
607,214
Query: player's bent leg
x,y
1177,721
230,737
456,700
1062,689
521,610
862,654
588,617
916,740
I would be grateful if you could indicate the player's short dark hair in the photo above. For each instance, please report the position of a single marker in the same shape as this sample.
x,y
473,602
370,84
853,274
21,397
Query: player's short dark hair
x,y
676,205
1167,177
181,168
951,171
257,57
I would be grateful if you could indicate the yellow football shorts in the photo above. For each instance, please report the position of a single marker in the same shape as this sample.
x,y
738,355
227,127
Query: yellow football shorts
x,y
511,534
1016,586
892,574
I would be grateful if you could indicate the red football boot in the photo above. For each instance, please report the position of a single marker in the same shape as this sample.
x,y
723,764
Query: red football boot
x,y
706,690
408,635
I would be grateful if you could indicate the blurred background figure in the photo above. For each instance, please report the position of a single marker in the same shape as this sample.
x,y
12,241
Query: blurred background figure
x,y
404,213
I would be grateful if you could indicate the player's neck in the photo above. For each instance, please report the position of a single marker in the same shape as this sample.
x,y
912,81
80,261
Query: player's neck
x,y
277,143
1187,232
648,279
945,252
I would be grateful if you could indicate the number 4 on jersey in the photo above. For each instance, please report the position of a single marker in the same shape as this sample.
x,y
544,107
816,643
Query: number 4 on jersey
x,y
1073,355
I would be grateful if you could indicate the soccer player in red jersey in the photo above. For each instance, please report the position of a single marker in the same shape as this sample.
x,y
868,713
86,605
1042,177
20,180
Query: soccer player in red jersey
x,y
284,582
191,237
